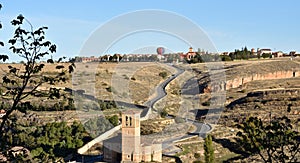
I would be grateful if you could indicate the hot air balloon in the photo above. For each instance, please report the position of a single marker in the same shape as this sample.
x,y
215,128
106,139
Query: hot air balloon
x,y
160,50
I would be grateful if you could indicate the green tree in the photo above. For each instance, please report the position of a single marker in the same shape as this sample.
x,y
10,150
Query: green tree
x,y
266,55
208,150
114,120
19,83
196,59
273,141
46,142
226,58
232,56
246,53
153,58
117,57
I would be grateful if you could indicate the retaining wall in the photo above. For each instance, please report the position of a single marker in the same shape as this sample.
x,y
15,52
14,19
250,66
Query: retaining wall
x,y
234,83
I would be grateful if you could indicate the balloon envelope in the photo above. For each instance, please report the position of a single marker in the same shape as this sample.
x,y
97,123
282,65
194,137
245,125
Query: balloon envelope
x,y
160,50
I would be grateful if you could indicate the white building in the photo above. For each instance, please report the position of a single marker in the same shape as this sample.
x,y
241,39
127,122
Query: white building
x,y
264,51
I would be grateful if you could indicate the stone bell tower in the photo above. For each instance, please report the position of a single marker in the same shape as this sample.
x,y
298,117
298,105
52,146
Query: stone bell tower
x,y
131,141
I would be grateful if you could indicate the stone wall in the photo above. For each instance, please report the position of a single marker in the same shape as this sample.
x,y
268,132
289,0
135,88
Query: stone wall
x,y
234,83
217,86
100,138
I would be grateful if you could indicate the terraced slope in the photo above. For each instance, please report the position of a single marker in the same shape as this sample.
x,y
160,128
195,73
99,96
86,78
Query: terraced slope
x,y
263,102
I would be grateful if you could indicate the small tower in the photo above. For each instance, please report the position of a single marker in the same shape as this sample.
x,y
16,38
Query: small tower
x,y
131,140
191,50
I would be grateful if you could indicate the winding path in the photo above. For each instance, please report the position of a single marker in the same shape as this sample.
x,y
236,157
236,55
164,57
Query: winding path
x,y
160,93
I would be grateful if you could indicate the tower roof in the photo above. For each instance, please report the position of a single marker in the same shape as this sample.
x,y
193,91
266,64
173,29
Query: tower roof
x,y
131,112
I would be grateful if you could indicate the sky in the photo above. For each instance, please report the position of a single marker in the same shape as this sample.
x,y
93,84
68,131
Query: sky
x,y
228,24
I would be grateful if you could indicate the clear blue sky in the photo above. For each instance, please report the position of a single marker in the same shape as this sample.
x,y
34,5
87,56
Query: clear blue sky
x,y
229,24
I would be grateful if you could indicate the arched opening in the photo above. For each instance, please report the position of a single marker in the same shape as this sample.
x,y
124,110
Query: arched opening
x,y
294,74
130,121
126,121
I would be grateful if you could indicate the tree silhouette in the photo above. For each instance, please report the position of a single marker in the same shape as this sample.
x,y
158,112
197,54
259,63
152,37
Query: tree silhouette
x,y
273,141
22,81
1,43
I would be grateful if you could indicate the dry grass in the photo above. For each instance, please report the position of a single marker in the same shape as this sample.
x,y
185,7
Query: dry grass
x,y
261,68
157,125
97,79
130,82
243,68
224,136
144,78
196,146
98,76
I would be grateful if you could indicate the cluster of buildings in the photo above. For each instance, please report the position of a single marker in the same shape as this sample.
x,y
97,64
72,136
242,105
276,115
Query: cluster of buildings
x,y
139,57
174,57
273,54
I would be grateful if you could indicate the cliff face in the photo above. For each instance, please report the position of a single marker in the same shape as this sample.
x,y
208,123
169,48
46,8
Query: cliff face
x,y
284,76
208,86
239,74
234,83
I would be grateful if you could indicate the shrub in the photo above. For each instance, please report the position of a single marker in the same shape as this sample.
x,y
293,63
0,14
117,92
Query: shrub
x,y
163,74
206,103
110,89
197,155
126,77
163,113
114,120
243,91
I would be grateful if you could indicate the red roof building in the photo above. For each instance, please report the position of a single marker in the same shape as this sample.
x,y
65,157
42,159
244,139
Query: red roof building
x,y
189,55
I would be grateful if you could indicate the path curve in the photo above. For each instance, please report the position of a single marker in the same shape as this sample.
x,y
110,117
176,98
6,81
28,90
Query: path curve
x,y
160,93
